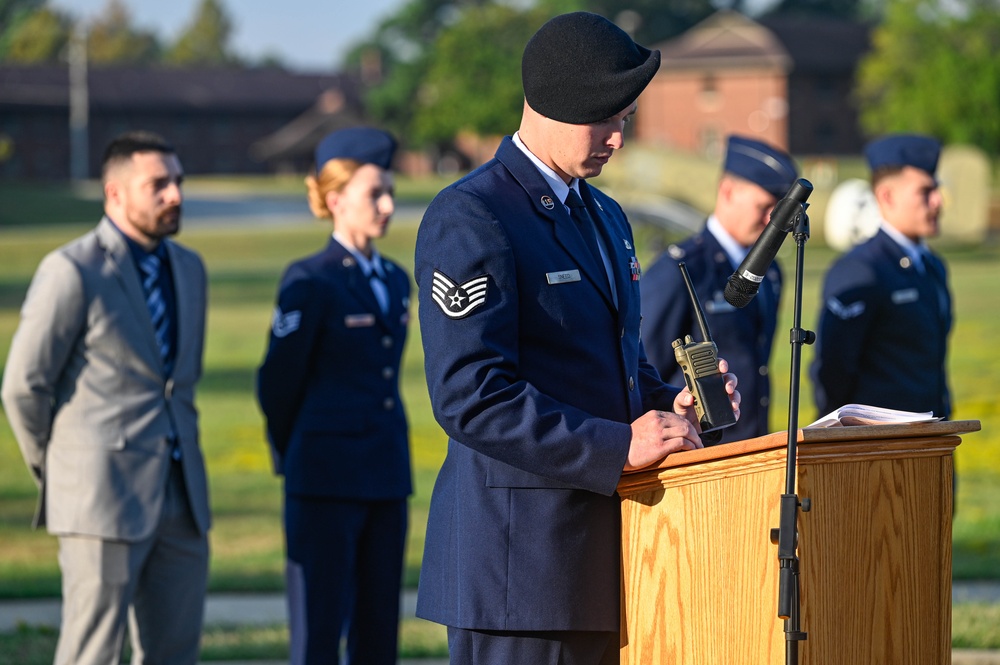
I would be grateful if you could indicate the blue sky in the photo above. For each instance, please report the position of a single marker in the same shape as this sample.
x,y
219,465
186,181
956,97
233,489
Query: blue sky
x,y
309,35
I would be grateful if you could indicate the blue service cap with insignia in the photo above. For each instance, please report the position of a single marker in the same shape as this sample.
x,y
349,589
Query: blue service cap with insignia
x,y
366,145
764,165
920,152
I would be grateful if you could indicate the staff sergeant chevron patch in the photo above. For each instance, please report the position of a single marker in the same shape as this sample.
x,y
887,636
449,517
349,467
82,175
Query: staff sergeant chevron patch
x,y
458,300
285,323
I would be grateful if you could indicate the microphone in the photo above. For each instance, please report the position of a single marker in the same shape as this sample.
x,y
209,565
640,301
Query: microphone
x,y
745,282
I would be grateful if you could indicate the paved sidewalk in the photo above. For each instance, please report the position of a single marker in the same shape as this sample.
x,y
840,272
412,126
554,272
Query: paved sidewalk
x,y
269,609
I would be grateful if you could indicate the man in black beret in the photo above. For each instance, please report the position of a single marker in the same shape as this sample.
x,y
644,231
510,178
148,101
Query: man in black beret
x,y
529,312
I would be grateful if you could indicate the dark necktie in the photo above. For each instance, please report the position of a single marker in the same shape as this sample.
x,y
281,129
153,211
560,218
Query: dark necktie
x,y
380,290
585,224
150,266
932,272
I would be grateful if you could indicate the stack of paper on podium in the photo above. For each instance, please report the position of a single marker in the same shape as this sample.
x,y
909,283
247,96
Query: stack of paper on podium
x,y
862,414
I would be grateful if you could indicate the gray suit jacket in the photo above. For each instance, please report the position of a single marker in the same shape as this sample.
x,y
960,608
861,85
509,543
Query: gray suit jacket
x,y
86,395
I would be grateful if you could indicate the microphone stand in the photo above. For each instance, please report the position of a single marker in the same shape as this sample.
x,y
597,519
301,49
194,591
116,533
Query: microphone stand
x,y
786,535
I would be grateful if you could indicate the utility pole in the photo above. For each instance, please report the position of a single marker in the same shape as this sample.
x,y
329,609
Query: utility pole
x,y
79,103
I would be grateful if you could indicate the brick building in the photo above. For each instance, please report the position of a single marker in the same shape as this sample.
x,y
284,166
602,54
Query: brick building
x,y
785,80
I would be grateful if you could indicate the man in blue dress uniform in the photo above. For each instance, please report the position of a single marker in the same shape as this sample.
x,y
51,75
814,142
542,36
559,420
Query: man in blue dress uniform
x,y
529,313
755,176
886,313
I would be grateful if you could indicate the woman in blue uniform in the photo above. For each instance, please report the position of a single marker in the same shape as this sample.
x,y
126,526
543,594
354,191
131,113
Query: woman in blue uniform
x,y
329,390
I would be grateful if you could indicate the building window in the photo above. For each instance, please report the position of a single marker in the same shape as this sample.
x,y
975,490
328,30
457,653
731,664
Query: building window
x,y
708,97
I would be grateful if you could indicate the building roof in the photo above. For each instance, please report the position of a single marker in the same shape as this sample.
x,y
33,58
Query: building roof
x,y
725,39
174,89
297,139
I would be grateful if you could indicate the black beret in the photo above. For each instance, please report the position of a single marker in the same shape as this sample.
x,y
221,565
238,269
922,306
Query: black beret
x,y
581,68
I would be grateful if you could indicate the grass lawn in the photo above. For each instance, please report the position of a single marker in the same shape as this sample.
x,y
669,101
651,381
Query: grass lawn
x,y
244,267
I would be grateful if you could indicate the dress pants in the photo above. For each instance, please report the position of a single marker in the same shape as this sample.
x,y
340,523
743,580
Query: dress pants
x,y
550,647
345,569
157,584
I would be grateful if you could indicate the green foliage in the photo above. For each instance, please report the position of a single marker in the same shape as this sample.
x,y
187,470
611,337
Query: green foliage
x,y
39,37
934,70
30,645
10,10
403,46
112,39
206,39
473,82
449,66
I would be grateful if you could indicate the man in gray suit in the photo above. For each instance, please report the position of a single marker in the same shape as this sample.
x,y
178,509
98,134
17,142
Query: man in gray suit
x,y
99,389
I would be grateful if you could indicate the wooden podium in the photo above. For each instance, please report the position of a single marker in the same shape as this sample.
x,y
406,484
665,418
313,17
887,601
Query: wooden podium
x,y
700,575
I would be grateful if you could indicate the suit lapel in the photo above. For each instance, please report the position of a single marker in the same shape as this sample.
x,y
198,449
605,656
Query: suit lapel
x,y
616,244
394,313
119,258
357,283
183,305
549,208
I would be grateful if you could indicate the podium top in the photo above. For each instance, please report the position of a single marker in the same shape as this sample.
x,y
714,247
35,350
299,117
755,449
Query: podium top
x,y
808,435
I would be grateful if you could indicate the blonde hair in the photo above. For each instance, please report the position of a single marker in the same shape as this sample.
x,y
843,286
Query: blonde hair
x,y
334,175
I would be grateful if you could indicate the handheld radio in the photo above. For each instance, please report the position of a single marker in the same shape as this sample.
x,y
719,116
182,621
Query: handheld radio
x,y
699,361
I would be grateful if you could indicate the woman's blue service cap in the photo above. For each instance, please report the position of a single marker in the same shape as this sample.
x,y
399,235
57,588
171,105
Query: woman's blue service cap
x,y
366,145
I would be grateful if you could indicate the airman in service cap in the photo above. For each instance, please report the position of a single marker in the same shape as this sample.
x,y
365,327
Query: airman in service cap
x,y
920,152
762,164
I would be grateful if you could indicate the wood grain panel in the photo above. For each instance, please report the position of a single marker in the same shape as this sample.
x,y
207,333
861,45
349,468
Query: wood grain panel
x,y
700,575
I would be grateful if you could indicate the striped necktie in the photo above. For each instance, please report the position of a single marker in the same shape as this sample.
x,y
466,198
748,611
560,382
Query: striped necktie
x,y
150,267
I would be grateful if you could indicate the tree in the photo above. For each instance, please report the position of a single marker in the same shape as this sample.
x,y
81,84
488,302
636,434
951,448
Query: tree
x,y
473,81
113,39
206,39
12,11
36,37
402,47
934,70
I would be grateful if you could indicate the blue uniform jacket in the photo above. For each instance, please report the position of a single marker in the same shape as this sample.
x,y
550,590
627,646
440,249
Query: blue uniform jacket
x,y
535,377
329,385
883,331
743,335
